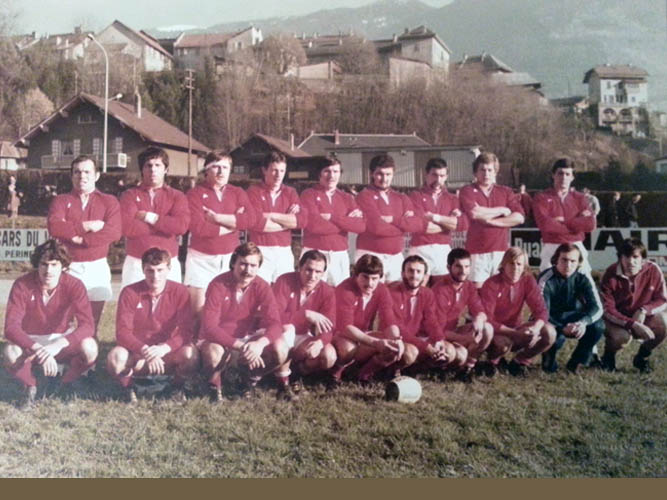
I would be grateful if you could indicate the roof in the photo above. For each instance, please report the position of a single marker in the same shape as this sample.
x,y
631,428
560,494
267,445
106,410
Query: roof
x,y
145,37
9,150
421,33
150,126
186,41
321,144
517,79
486,62
616,71
569,101
282,146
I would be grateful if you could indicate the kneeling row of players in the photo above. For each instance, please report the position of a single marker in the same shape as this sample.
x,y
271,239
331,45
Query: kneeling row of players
x,y
304,324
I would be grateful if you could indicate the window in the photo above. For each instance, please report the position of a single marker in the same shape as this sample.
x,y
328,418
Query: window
x,y
67,148
608,84
85,118
239,45
117,146
239,169
97,146
55,148
415,48
76,147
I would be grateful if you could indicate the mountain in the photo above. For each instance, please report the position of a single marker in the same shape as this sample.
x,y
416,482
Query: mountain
x,y
556,41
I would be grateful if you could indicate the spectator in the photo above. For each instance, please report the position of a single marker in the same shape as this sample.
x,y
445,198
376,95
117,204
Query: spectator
x,y
527,205
593,200
611,217
632,212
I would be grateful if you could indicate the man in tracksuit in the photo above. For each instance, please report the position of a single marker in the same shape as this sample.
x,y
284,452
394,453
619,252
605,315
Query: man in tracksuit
x,y
574,306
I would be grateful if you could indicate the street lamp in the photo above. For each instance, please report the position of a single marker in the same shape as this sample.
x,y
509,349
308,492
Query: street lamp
x,y
106,100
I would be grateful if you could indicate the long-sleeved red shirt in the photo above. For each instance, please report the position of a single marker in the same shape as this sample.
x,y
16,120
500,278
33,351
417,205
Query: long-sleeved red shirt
x,y
329,235
66,217
224,319
169,322
482,237
350,308
622,295
547,205
451,302
174,217
381,236
504,300
418,322
446,203
26,313
260,197
204,235
287,290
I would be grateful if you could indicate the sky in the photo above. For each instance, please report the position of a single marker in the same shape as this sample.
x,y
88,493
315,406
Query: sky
x,y
60,16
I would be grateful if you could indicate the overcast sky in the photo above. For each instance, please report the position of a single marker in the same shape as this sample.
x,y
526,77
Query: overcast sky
x,y
60,16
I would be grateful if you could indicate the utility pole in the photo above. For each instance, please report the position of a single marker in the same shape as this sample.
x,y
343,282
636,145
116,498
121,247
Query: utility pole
x,y
189,84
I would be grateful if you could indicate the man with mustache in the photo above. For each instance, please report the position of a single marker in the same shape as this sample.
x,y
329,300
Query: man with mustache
x,y
87,221
635,305
48,321
218,211
307,305
154,215
240,320
441,214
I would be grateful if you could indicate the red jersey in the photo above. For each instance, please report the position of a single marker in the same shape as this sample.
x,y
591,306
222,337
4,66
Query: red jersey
x,y
260,197
142,321
445,204
174,217
350,308
287,290
504,300
66,217
547,205
381,236
329,235
482,237
416,321
224,319
451,302
26,313
205,236
622,295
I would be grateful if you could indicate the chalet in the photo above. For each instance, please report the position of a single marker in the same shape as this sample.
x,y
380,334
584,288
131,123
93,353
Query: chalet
x,y
190,50
77,128
248,158
123,42
620,95
12,157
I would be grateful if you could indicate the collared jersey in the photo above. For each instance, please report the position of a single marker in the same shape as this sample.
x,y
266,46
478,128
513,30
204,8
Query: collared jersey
x,y
504,300
446,203
547,205
414,321
451,302
569,300
262,201
351,310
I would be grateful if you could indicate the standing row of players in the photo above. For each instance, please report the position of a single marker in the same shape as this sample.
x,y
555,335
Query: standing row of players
x,y
153,214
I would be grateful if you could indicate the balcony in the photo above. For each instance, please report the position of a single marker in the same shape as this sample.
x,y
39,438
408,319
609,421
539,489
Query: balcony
x,y
114,160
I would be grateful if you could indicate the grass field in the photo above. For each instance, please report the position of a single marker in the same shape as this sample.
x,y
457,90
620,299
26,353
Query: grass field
x,y
593,424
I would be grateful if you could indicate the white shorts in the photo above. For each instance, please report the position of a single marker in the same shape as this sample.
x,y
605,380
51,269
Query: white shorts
x,y
276,261
96,277
549,249
484,265
391,263
435,256
338,265
201,268
133,272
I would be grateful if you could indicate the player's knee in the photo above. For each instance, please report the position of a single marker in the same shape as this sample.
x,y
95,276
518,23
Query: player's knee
x,y
344,348
212,353
117,359
328,357
11,353
409,355
548,334
89,349
461,355
280,351
190,355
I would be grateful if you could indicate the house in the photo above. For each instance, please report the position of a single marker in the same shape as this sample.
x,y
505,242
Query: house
x,y
318,77
78,127
12,157
418,44
575,105
122,41
661,165
620,96
248,157
67,46
409,152
190,50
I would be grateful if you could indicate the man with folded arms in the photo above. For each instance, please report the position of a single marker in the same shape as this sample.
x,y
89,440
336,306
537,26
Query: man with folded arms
x,y
87,221
307,307
154,328
240,320
41,310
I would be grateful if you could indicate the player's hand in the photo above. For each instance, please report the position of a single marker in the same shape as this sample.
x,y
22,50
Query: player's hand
x,y
560,218
532,335
642,332
430,216
409,213
294,209
77,240
141,215
355,213
156,366
321,323
387,218
456,213
154,351
586,213
314,349
326,216
50,350
574,330
252,354
639,316
50,367
92,226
